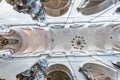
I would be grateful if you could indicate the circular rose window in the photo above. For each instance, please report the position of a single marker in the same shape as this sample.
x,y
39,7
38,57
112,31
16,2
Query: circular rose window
x,y
56,7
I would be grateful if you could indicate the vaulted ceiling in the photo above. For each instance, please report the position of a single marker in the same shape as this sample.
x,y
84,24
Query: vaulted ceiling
x,y
65,12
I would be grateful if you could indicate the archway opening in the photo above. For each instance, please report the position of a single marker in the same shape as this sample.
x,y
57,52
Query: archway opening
x,y
97,72
59,72
58,75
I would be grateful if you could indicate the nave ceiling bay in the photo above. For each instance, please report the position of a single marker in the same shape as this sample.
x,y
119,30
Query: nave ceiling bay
x,y
18,40
60,40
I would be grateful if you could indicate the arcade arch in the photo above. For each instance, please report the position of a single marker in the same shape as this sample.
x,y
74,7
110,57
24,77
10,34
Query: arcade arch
x,y
59,72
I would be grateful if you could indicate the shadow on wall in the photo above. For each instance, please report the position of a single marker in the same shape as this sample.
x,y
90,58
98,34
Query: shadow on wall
x,y
2,79
117,64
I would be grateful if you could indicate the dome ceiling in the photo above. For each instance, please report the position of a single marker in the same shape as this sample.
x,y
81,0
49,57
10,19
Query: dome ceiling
x,y
56,7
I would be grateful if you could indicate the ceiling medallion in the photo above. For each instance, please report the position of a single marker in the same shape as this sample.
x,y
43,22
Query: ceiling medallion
x,y
56,7
11,41
78,42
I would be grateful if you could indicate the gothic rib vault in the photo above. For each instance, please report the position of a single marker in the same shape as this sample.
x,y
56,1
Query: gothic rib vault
x,y
74,50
